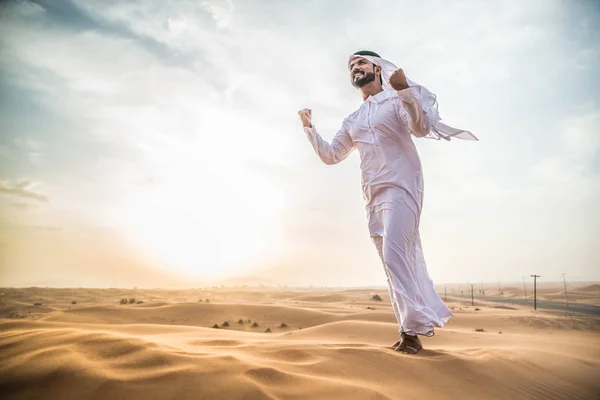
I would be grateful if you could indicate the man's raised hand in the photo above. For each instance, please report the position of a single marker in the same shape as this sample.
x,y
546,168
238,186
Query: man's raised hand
x,y
306,117
398,80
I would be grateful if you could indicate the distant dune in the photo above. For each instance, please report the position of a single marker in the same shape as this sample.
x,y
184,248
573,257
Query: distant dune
x,y
323,344
590,288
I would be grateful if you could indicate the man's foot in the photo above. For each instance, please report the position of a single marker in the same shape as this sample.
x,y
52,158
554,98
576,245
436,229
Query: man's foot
x,y
409,344
396,344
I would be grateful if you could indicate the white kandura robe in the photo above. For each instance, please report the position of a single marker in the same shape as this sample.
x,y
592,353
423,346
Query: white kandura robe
x,y
392,185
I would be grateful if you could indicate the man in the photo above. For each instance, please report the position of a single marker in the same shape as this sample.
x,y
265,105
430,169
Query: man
x,y
394,110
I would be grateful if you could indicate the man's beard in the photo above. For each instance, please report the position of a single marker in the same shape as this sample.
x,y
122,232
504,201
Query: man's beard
x,y
366,79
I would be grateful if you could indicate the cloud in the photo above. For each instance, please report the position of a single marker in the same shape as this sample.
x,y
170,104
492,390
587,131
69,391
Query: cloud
x,y
31,148
66,15
130,110
221,12
572,169
5,151
22,189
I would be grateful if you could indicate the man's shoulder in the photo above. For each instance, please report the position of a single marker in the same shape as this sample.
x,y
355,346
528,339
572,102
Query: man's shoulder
x,y
353,120
352,116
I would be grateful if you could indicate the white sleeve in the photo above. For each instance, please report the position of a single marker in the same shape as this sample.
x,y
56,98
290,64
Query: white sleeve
x,y
341,145
412,115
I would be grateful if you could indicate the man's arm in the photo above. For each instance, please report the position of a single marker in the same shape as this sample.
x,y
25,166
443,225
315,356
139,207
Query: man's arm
x,y
411,111
341,145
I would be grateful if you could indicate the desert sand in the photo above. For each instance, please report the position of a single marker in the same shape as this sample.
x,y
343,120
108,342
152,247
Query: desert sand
x,y
308,343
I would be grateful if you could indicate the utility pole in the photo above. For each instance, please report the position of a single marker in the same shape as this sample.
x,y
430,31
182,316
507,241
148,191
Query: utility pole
x,y
472,301
566,296
445,295
524,288
535,291
499,291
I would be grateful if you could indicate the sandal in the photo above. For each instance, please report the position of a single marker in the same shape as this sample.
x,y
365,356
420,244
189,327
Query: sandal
x,y
410,344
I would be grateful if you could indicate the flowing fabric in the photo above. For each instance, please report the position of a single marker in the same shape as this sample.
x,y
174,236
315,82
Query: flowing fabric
x,y
428,100
382,131
394,229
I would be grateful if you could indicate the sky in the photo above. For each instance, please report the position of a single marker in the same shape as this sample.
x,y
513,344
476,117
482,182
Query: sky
x,y
152,143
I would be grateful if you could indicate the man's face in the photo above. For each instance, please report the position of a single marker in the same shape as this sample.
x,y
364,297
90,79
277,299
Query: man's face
x,y
362,72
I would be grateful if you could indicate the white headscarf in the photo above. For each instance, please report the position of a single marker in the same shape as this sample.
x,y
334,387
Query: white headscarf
x,y
427,99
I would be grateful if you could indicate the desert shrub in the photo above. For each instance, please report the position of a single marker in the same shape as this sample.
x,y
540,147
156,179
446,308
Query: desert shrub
x,y
131,301
479,330
216,326
225,323
139,302
376,298
123,301
283,325
37,304
255,325
268,330
73,302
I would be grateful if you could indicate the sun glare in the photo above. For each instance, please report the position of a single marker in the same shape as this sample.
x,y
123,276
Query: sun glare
x,y
198,239
192,223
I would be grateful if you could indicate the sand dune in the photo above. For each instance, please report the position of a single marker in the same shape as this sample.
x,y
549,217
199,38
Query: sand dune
x,y
332,347
590,288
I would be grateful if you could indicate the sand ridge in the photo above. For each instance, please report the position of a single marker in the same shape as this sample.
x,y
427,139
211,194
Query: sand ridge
x,y
332,347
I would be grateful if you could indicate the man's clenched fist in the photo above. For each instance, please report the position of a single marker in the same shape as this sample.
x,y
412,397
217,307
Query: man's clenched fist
x,y
306,116
398,80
